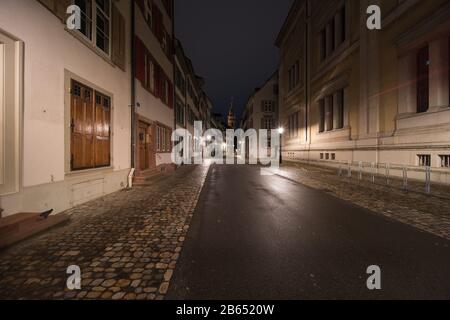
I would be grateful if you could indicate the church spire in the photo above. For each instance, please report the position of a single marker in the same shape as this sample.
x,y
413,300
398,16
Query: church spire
x,y
231,116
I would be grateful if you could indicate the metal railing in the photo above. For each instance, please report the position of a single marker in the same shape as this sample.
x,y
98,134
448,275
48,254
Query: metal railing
x,y
409,178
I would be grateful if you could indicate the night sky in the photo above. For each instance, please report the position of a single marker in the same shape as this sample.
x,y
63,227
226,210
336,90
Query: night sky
x,y
231,44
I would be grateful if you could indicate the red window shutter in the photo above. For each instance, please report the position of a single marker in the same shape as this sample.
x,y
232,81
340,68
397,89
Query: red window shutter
x,y
170,94
158,22
140,60
157,81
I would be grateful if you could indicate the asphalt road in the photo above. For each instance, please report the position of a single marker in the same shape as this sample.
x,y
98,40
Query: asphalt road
x,y
266,237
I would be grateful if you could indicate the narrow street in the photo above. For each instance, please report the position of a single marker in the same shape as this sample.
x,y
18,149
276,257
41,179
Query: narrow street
x,y
266,237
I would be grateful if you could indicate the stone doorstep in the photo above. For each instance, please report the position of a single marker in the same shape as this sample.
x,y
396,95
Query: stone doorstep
x,y
20,226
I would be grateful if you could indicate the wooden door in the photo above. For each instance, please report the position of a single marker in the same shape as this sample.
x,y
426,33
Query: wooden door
x,y
143,146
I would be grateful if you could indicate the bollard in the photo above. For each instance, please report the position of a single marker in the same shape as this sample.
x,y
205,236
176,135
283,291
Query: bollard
x,y
349,172
360,170
387,173
428,180
405,179
373,171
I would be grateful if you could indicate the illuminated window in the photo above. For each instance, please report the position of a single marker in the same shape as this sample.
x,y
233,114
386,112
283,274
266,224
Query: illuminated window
x,y
96,22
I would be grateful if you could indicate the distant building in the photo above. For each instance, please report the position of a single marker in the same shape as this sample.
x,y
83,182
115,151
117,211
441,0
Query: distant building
x,y
231,119
261,110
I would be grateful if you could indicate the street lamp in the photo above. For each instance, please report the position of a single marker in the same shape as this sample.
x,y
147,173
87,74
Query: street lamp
x,y
280,131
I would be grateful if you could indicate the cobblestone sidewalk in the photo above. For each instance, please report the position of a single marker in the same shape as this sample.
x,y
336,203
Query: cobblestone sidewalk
x,y
126,244
425,212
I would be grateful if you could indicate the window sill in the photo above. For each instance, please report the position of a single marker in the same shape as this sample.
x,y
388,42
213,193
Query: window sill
x,y
77,35
343,133
433,117
89,171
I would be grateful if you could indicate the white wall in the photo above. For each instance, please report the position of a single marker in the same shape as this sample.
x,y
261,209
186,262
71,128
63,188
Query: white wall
x,y
50,50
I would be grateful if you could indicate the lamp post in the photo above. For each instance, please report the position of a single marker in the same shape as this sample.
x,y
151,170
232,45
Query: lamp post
x,y
281,131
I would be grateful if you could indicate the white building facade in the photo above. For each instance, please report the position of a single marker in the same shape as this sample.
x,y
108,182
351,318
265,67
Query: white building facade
x,y
64,102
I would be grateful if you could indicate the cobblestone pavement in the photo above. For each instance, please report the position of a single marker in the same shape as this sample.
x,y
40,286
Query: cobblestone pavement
x,y
127,245
425,212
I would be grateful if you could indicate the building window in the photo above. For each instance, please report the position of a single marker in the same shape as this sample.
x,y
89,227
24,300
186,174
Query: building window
x,y
149,67
321,156
424,160
445,161
149,13
339,114
293,125
333,156
180,81
322,44
423,80
163,139
164,92
86,17
90,128
267,106
333,34
331,111
96,22
294,76
327,156
180,113
268,123
164,41
329,125
321,115
343,25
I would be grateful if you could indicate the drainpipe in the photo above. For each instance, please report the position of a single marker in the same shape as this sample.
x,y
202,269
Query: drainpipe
x,y
133,95
133,88
307,93
174,99
173,68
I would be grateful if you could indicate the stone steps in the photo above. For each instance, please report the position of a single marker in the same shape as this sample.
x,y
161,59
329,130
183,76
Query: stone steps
x,y
20,226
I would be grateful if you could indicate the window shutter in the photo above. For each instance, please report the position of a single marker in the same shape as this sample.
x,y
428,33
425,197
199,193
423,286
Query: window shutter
x,y
58,7
118,38
49,4
140,65
171,93
158,81
61,9
158,23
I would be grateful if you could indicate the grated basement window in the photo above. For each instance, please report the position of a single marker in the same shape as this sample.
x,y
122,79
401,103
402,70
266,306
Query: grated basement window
x,y
445,161
424,160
